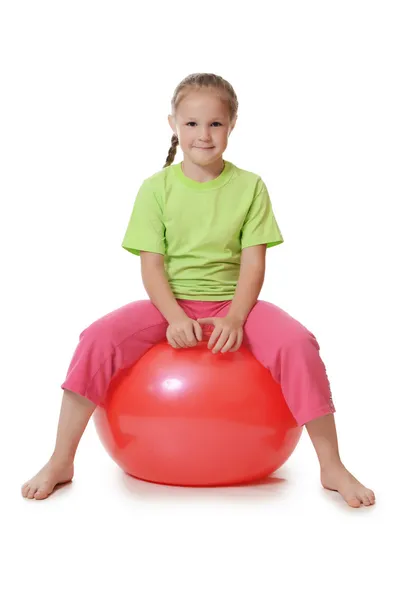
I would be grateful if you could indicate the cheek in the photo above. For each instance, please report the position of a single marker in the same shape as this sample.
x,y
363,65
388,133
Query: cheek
x,y
221,136
187,138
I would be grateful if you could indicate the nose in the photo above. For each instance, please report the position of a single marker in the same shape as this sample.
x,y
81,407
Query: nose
x,y
205,134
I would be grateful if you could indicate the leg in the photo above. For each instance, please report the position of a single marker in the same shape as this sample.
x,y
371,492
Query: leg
x,y
112,343
115,341
291,353
74,416
334,475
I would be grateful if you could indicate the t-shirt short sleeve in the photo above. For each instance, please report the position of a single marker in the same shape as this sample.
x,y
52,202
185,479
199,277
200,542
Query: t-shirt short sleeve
x,y
260,225
145,230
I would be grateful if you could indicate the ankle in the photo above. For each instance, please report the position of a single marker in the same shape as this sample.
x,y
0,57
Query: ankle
x,y
62,459
331,463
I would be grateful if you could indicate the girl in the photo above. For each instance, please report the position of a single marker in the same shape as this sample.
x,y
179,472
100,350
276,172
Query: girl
x,y
201,228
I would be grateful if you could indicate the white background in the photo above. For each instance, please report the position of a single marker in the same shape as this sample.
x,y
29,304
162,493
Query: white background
x,y
86,90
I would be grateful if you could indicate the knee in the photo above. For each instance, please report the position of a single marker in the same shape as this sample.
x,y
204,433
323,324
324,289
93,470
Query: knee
x,y
116,323
302,338
92,331
101,326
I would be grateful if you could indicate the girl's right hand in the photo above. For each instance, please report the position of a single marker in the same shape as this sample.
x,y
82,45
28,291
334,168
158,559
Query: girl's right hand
x,y
184,333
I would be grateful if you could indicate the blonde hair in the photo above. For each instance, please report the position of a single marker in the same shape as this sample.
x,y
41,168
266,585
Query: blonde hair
x,y
195,82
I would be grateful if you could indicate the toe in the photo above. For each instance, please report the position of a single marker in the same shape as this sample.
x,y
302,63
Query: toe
x,y
41,495
365,500
354,502
370,496
43,492
24,490
31,492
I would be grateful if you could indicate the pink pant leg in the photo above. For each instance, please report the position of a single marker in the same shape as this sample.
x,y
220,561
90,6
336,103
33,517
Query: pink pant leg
x,y
112,343
291,353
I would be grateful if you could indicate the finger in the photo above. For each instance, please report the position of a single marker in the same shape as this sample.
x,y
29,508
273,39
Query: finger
x,y
214,336
179,337
190,336
222,341
198,332
172,342
230,342
180,340
240,337
173,337
206,321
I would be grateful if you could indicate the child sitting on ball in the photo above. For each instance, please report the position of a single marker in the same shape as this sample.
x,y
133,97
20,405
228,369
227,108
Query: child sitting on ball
x,y
202,228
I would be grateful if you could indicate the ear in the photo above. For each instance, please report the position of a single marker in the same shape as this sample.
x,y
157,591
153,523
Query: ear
x,y
233,123
171,121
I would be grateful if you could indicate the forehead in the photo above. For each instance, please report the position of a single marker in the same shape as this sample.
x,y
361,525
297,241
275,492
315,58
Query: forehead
x,y
202,105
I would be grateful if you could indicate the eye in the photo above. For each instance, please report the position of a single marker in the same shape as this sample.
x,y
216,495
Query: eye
x,y
194,123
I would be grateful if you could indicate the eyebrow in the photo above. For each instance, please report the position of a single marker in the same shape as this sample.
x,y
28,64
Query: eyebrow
x,y
213,119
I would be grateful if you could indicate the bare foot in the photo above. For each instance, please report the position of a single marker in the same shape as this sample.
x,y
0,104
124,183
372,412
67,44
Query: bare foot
x,y
336,477
43,484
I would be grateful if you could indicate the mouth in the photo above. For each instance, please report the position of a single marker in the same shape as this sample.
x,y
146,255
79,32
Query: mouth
x,y
210,148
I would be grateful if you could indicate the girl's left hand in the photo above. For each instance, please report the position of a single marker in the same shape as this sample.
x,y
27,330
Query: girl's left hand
x,y
229,330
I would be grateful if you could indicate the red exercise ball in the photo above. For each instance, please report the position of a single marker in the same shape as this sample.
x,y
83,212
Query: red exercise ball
x,y
189,417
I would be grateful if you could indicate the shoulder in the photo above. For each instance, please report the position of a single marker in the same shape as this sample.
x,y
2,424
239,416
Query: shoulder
x,y
157,184
158,179
152,188
249,180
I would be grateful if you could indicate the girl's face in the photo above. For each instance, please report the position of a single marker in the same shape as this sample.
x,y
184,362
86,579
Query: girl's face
x,y
203,126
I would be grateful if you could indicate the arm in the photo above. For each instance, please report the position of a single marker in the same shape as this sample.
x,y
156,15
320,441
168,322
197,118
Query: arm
x,y
157,286
250,281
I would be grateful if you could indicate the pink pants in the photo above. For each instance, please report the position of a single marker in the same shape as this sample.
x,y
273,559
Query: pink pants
x,y
276,339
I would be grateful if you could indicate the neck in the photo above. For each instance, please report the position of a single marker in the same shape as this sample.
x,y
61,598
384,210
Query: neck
x,y
202,173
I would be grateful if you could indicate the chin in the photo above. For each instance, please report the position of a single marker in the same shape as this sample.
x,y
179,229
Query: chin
x,y
205,160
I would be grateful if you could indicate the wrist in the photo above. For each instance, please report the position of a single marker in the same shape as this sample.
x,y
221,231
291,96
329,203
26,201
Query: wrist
x,y
175,314
237,317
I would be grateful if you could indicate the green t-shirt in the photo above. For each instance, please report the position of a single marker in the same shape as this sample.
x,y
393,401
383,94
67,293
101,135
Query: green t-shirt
x,y
201,228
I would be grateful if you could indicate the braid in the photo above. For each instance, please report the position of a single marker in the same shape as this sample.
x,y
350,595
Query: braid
x,y
199,81
172,151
